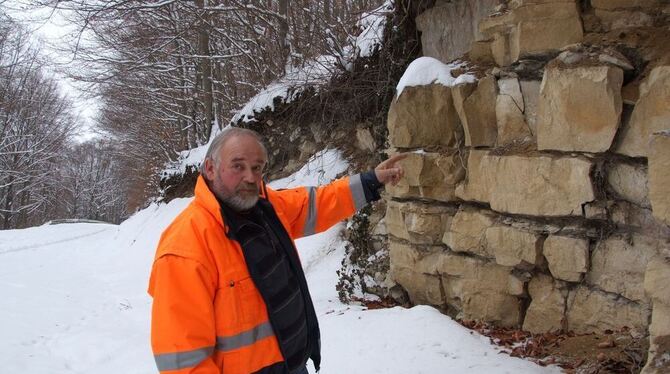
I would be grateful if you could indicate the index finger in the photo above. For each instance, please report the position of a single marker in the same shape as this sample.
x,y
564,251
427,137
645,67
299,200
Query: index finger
x,y
395,158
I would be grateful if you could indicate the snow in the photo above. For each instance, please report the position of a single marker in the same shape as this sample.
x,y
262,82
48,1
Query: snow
x,y
286,89
372,23
427,70
321,168
74,301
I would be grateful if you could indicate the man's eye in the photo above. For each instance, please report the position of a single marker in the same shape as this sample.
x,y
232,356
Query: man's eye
x,y
238,167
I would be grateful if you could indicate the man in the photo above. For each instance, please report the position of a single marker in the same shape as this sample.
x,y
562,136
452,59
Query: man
x,y
229,292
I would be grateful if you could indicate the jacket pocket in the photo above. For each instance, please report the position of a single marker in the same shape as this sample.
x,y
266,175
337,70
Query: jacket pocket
x,y
238,305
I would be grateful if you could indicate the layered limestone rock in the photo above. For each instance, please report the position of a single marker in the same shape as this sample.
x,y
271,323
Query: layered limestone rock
x,y
629,182
481,290
532,27
423,116
532,185
568,258
513,247
618,265
531,96
651,114
429,175
656,281
659,176
579,108
592,310
467,232
415,272
477,115
510,118
547,307
471,287
416,222
448,28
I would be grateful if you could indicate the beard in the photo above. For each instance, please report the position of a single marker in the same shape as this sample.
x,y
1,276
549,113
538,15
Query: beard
x,y
238,201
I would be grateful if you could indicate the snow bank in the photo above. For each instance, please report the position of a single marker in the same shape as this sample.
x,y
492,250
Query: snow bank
x,y
427,70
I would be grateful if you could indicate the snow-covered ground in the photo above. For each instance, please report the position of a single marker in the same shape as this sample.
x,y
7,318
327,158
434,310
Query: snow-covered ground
x,y
73,300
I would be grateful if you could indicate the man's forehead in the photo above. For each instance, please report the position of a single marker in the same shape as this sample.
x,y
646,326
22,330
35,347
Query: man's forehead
x,y
243,148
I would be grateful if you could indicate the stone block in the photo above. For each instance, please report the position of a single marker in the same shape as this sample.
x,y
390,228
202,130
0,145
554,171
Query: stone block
x,y
568,258
407,268
595,311
424,116
618,265
364,140
429,175
449,27
657,282
416,222
467,231
531,95
658,359
476,109
659,176
547,307
650,115
622,19
513,247
500,309
630,183
536,35
531,185
480,51
510,121
579,108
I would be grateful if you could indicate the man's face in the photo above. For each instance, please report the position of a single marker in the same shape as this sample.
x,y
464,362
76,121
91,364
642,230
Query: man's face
x,y
236,178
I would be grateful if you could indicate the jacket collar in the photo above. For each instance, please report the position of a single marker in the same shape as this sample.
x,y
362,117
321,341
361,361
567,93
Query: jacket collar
x,y
206,199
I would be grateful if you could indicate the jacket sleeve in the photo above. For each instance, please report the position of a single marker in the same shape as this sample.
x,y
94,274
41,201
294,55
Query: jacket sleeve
x,y
183,334
310,210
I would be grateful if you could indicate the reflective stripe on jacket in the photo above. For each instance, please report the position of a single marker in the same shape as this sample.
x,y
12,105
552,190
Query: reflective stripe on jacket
x,y
207,315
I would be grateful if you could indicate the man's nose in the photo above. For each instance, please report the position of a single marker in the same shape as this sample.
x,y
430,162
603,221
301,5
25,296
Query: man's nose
x,y
249,176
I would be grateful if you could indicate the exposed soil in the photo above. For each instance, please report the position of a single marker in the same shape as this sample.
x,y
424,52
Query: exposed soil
x,y
619,351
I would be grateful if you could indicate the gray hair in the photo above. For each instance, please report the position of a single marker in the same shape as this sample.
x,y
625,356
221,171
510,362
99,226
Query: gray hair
x,y
214,150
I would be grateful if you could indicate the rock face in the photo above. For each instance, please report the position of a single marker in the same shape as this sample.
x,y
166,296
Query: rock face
x,y
547,307
541,186
651,114
448,28
656,281
478,117
532,27
659,176
466,232
416,222
629,181
568,258
429,175
618,265
424,115
579,108
589,310
541,204
513,247
510,108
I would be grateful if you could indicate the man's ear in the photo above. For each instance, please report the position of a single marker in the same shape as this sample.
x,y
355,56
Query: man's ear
x,y
209,169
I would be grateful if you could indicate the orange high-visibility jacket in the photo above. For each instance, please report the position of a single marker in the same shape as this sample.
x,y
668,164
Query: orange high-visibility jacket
x,y
207,316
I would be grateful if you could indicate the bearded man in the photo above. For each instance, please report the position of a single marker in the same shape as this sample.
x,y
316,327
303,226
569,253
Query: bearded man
x,y
229,293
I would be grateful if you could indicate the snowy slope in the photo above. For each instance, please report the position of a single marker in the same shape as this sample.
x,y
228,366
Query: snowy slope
x,y
74,301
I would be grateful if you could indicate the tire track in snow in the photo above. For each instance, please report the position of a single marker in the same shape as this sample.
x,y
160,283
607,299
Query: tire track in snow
x,y
40,245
